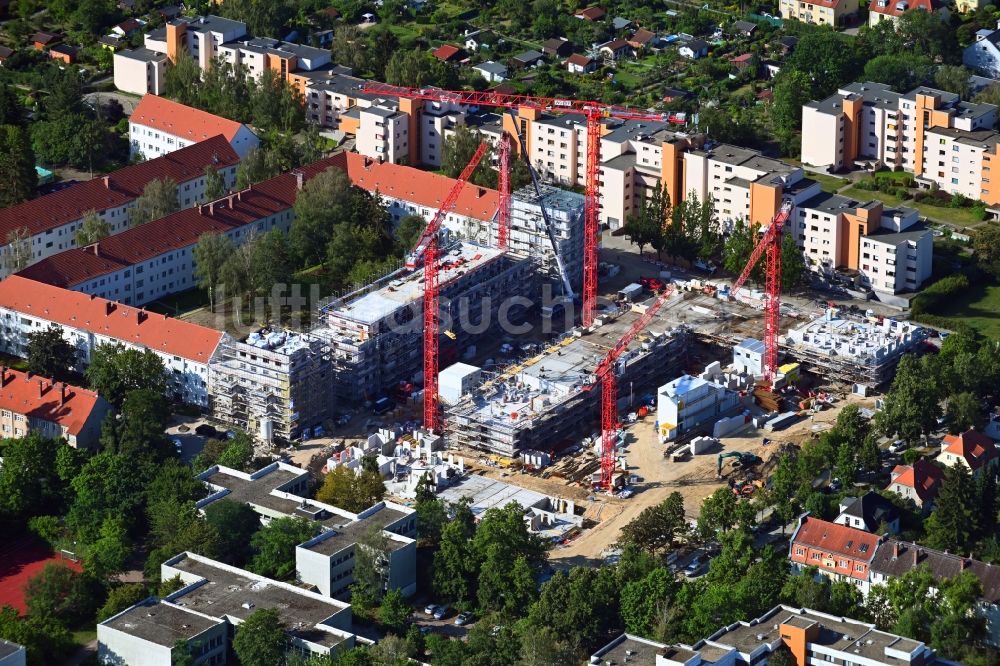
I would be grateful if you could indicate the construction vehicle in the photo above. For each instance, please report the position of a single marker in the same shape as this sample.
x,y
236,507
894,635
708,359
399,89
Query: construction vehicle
x,y
593,111
743,460
605,374
769,245
747,487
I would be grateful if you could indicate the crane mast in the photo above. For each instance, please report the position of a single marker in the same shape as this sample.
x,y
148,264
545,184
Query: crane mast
x,y
769,246
503,219
605,373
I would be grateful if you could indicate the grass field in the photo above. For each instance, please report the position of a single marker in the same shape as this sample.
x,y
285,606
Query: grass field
x,y
957,217
827,183
979,307
865,195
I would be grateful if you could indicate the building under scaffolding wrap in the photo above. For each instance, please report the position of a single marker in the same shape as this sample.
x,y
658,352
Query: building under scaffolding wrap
x,y
858,351
376,333
272,384
528,237
548,402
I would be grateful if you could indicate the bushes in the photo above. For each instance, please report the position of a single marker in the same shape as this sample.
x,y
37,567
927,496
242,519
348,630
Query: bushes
x,y
938,293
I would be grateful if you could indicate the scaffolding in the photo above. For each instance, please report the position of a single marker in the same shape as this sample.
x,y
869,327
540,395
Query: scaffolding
x,y
272,384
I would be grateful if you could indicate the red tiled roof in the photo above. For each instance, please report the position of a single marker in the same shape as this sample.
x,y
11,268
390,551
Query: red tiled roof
x,y
40,398
129,25
837,539
615,45
591,13
42,37
579,60
116,189
175,231
107,318
446,52
898,7
923,476
641,36
975,447
741,59
421,187
187,122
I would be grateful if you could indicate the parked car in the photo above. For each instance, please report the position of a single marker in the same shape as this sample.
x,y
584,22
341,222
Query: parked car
x,y
441,612
694,567
382,405
178,445
463,619
898,446
706,266
206,430
430,609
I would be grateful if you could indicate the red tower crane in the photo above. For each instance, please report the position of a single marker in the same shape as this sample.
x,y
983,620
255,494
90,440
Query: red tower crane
x,y
593,111
503,181
770,246
605,374
427,247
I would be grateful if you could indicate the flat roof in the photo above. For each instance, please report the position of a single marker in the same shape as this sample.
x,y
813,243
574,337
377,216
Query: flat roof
x,y
639,651
487,493
348,533
159,622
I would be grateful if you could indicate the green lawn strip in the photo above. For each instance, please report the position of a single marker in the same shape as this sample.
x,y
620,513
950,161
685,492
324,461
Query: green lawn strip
x,y
978,307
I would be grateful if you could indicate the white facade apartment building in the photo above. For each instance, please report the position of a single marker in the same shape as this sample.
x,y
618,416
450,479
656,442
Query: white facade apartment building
x,y
262,53
87,322
159,126
959,161
383,133
44,226
199,36
140,71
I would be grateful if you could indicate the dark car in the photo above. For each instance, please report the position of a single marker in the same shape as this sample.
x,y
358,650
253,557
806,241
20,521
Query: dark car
x,y
206,430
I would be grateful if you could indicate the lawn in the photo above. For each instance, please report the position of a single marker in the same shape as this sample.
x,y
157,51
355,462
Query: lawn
x,y
867,195
957,217
979,308
827,183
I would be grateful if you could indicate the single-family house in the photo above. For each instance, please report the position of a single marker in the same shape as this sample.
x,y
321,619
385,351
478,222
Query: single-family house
x,y
127,27
493,72
771,67
971,448
742,61
616,49
64,53
788,44
594,13
838,551
5,52
43,40
528,59
694,49
480,39
743,28
557,47
870,512
642,39
919,482
449,53
619,23
983,55
111,42
580,64
675,95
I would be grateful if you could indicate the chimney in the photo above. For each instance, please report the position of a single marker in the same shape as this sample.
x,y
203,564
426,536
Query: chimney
x,y
916,556
230,199
41,388
201,209
299,180
895,549
141,316
109,307
3,375
211,208
62,393
481,192
97,249
107,181
962,564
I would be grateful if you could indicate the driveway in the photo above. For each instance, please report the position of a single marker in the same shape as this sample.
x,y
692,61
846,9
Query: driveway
x,y
128,102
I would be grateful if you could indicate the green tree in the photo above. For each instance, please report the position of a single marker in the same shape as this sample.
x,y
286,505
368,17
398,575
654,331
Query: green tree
x,y
29,484
109,554
210,254
791,91
581,608
45,638
138,427
828,58
953,78
116,370
416,68
121,597
989,95
394,613
641,229
964,411
718,513
902,71
738,248
793,263
48,352
158,199
371,558
17,163
352,491
271,261
912,404
929,36
326,201
454,566
236,523
72,139
92,229
12,110
61,593
252,169
432,513
646,604
408,232
107,486
238,454
274,546
457,152
215,186
19,255
260,639
952,524
657,527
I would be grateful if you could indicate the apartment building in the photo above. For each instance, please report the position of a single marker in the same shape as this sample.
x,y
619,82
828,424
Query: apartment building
x,y
888,249
140,71
159,126
200,619
383,133
87,322
259,54
892,10
272,384
930,133
687,403
198,36
46,225
326,561
31,403
838,551
155,260
809,636
818,12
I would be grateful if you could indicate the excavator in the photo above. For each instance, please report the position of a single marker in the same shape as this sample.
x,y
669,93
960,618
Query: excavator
x,y
743,460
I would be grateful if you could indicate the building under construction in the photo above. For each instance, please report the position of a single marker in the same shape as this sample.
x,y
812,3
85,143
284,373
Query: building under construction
x,y
861,351
273,384
376,333
549,401
528,236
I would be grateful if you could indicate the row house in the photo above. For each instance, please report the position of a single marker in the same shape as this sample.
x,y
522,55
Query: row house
x,y
32,403
156,260
46,225
87,322
159,126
